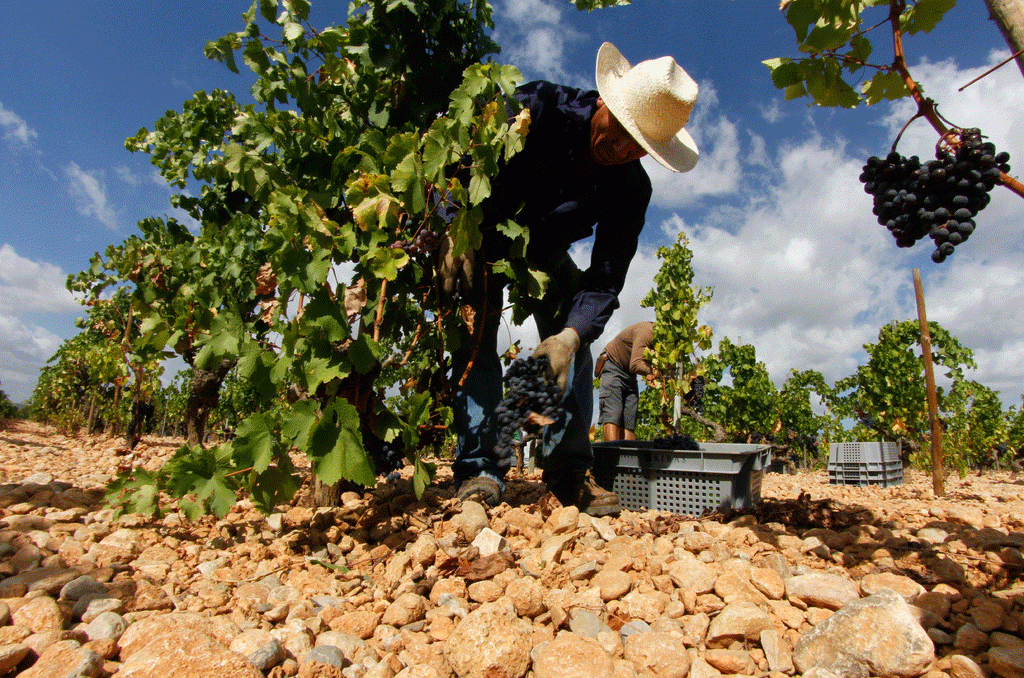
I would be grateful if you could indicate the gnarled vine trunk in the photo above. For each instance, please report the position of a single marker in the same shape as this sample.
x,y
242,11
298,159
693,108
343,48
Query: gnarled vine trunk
x,y
203,397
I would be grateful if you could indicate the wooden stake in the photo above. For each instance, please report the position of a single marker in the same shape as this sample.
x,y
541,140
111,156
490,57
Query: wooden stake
x,y
929,377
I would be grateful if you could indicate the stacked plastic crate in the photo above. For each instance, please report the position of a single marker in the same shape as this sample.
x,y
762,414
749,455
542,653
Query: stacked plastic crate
x,y
874,463
718,476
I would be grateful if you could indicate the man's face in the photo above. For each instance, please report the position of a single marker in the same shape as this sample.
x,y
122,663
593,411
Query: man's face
x,y
610,143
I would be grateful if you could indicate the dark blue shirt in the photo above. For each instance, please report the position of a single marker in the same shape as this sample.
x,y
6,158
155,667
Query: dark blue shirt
x,y
555,188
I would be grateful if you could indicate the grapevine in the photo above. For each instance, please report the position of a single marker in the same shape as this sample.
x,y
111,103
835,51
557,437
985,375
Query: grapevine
x,y
529,391
939,198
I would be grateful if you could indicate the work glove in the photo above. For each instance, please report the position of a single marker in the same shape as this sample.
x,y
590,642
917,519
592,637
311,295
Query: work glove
x,y
559,350
454,274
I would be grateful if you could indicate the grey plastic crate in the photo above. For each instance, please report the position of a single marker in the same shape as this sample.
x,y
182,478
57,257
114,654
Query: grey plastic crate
x,y
690,482
863,453
886,475
871,463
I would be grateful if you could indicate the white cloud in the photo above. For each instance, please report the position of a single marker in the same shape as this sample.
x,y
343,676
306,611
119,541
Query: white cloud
x,y
15,129
29,290
718,172
531,12
125,174
24,349
772,113
90,193
534,37
27,285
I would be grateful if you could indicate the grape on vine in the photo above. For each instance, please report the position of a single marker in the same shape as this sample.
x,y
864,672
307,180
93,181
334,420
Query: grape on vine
x,y
938,199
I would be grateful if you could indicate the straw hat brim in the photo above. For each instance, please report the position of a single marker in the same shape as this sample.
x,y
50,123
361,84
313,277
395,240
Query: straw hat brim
x,y
678,153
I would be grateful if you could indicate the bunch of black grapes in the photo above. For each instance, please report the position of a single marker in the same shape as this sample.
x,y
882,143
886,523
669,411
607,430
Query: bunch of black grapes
x,y
939,198
695,397
387,457
679,441
758,437
424,241
529,390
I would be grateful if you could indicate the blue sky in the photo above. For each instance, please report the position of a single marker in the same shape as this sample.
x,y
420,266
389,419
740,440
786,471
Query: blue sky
x,y
778,223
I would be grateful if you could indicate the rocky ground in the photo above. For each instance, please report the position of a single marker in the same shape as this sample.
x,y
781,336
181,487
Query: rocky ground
x,y
816,581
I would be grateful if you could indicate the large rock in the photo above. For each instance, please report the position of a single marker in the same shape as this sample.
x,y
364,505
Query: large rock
x,y
168,645
65,658
491,642
661,654
877,636
571,656
1007,662
820,589
738,621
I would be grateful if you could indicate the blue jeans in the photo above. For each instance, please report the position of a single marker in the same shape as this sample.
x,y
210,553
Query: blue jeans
x,y
566,442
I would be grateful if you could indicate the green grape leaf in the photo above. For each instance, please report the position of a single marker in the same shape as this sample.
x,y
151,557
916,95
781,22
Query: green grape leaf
x,y
298,422
255,57
327,315
274,486
885,85
519,236
336,446
860,50
268,8
801,14
465,230
384,262
215,491
364,353
924,15
422,476
785,72
254,438
825,38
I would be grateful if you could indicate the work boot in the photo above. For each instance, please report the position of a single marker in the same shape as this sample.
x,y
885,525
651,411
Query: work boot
x,y
579,489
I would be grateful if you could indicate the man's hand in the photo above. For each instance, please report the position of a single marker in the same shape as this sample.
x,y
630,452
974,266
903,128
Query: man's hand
x,y
455,274
559,349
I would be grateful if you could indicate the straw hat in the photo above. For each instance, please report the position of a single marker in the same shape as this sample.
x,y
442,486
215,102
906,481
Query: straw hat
x,y
653,101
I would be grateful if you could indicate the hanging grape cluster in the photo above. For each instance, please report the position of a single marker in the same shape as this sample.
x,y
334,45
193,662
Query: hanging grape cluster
x,y
939,198
386,456
424,241
528,391
695,397
679,441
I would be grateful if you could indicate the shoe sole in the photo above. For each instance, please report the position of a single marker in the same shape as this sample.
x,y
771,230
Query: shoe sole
x,y
601,511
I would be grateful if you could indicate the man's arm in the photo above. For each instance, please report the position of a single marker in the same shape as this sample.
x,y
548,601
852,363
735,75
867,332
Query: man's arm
x,y
616,236
643,335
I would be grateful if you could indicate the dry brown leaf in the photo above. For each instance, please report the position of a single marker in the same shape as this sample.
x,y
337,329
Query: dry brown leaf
x,y
355,298
266,280
468,314
538,420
